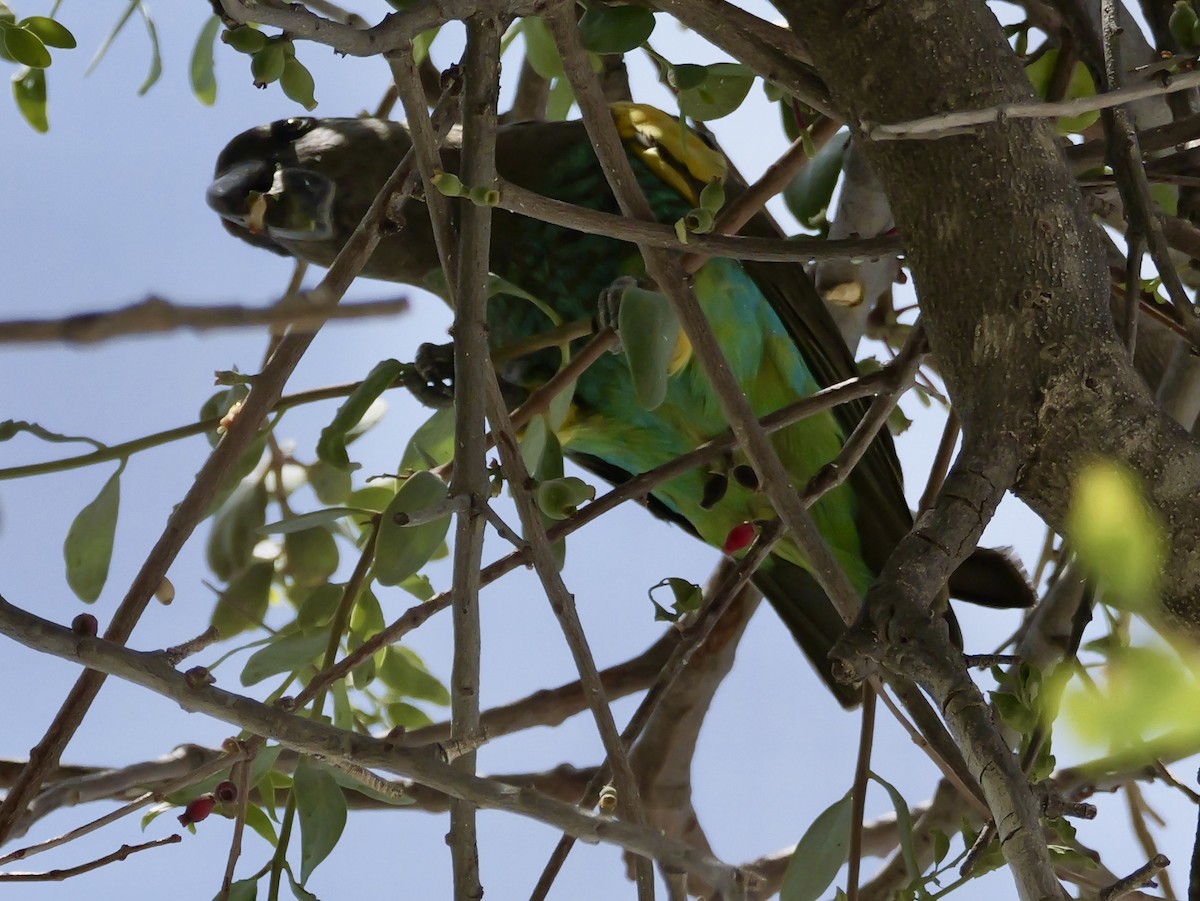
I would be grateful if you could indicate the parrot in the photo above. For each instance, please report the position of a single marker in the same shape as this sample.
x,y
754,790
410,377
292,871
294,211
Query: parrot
x,y
299,186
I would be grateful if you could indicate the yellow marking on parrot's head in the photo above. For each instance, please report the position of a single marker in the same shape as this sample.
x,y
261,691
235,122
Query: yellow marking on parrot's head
x,y
669,148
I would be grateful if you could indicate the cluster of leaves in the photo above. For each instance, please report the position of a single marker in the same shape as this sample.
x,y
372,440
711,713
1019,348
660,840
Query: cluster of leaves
x,y
272,59
26,43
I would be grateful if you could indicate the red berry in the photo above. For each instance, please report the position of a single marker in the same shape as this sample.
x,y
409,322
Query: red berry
x,y
85,624
226,792
739,538
197,810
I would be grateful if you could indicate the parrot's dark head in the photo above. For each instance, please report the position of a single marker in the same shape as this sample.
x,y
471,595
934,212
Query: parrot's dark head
x,y
299,187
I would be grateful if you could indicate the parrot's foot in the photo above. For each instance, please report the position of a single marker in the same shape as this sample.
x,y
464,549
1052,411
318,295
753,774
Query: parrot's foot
x,y
431,380
608,306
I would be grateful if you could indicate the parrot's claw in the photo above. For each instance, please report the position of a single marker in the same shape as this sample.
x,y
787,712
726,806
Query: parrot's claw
x,y
431,380
608,306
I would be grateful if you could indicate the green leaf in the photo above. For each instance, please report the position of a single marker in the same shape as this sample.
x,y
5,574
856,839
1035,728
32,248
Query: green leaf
x,y
312,556
10,428
322,809
1117,537
331,447
367,617
299,892
819,854
540,48
89,544
615,29
432,444
559,498
1140,692
401,713
533,442
25,47
204,80
51,32
283,655
1041,70
243,604
904,824
808,194
155,52
330,484
242,890
29,92
235,531
319,605
724,88
649,331
316,518
562,98
297,83
405,672
257,820
687,597
402,550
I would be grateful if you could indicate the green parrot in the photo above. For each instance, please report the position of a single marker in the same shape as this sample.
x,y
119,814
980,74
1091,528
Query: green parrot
x,y
299,187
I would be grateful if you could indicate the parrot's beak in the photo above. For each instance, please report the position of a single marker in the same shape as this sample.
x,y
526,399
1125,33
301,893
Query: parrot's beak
x,y
286,204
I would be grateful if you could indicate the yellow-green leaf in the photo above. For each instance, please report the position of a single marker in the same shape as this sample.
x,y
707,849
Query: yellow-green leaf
x,y
204,81
1117,537
649,331
29,92
89,544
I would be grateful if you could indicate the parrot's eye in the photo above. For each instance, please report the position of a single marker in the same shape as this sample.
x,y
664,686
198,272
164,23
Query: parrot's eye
x,y
290,129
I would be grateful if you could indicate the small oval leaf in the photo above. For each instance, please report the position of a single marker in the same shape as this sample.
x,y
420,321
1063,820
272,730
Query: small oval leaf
x,y
50,32
29,92
26,48
724,88
402,550
615,29
312,556
243,604
649,331
89,544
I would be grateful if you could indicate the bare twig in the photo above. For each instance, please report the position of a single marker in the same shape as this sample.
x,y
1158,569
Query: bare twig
x,y
967,121
656,235
862,769
120,854
1143,875
156,314
103,788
